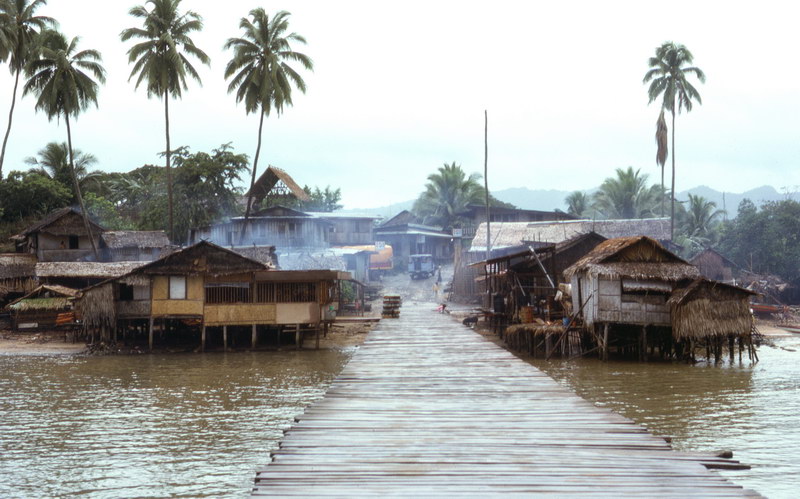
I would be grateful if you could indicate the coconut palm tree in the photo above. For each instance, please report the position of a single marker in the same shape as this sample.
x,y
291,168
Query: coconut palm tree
x,y
668,77
19,27
626,196
53,162
159,59
701,216
448,193
577,203
261,74
65,82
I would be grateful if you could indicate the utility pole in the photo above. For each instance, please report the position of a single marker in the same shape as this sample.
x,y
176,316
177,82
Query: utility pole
x,y
486,180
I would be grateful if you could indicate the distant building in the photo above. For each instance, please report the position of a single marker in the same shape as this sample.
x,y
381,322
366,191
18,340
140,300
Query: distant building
x,y
407,236
714,265
133,245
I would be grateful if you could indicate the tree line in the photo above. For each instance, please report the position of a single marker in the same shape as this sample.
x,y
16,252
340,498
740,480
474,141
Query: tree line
x,y
65,79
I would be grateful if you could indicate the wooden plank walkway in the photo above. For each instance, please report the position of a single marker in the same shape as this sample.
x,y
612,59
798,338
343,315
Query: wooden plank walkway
x,y
427,407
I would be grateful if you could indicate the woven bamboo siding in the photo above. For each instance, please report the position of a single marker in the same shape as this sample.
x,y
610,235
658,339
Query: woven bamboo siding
x,y
240,314
192,305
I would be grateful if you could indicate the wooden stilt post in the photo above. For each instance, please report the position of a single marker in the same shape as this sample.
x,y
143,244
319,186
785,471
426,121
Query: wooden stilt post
x,y
224,338
605,341
150,335
731,346
253,337
203,338
297,336
643,344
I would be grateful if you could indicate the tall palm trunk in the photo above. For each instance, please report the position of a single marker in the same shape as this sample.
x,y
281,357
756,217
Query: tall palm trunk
x,y
77,185
10,116
252,178
672,194
169,171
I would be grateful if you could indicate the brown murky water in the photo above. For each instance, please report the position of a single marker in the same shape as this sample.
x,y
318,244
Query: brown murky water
x,y
752,410
150,426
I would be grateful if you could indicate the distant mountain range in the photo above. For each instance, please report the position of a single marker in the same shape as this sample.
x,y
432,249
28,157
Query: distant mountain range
x,y
551,199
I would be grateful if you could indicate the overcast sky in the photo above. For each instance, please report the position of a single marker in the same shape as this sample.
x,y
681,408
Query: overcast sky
x,y
399,88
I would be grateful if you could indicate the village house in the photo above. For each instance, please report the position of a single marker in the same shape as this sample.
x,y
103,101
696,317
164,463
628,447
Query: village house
x,y
211,294
17,275
714,265
476,215
133,245
61,236
46,307
408,236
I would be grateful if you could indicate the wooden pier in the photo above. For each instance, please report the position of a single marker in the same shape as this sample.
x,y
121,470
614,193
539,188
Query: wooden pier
x,y
427,407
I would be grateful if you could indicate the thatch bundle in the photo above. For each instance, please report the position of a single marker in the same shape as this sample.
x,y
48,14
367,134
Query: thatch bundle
x,y
96,307
703,308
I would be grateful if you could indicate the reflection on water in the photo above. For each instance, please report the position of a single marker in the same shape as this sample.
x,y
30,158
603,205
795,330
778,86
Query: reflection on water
x,y
752,410
195,425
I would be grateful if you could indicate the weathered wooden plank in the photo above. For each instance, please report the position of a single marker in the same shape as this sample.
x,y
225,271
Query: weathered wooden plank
x,y
427,407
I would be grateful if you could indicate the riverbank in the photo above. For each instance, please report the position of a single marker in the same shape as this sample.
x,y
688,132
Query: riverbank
x,y
340,336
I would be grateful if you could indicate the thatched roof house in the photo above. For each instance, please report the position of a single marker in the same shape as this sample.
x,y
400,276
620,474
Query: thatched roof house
x,y
133,245
60,236
627,280
714,265
17,273
705,308
45,307
520,234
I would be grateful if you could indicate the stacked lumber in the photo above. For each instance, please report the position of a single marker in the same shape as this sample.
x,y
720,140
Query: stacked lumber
x,y
391,306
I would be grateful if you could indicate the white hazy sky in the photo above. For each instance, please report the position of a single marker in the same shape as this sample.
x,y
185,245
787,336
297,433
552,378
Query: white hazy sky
x,y
399,88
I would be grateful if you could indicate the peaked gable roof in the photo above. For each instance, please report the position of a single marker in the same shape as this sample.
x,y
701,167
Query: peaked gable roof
x,y
269,179
711,251
637,257
279,211
64,228
202,257
402,218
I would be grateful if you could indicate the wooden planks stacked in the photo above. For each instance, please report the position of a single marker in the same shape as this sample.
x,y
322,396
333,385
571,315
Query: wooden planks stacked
x,y
391,306
427,407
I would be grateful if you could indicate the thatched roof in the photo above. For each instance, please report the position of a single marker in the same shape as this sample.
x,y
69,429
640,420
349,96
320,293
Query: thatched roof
x,y
702,308
85,269
200,258
269,179
17,265
45,297
633,257
62,222
508,234
117,239
263,254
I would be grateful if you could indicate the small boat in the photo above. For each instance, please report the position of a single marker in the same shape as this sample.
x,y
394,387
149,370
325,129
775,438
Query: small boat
x,y
792,328
766,308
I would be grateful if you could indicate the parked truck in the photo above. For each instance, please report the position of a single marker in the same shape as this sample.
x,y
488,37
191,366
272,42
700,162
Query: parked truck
x,y
421,266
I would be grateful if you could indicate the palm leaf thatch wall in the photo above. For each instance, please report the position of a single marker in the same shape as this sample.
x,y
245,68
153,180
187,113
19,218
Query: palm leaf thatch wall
x,y
703,308
96,307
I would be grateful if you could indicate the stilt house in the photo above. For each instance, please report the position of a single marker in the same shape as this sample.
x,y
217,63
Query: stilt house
x,y
202,286
61,236
45,307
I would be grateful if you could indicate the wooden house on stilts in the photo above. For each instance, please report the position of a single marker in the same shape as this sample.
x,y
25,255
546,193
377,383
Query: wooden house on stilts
x,y
206,290
636,298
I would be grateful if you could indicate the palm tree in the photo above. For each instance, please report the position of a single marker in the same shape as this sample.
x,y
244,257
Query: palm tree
x,y
19,27
701,216
448,193
577,203
626,196
53,162
160,61
62,78
261,74
668,78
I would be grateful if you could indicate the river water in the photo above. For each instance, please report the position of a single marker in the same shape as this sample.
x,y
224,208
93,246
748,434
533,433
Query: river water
x,y
199,425
194,425
752,410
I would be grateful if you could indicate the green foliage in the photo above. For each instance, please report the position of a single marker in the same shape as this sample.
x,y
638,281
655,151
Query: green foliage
x,y
668,77
448,193
322,200
30,194
104,212
578,204
627,196
768,238
53,162
204,188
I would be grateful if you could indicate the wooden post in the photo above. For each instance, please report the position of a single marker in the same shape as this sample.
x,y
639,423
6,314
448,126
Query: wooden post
x,y
316,347
643,344
224,338
203,338
253,338
605,341
297,336
150,335
731,346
